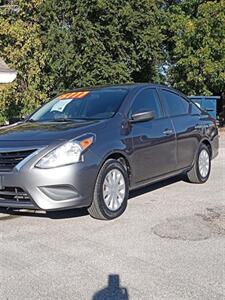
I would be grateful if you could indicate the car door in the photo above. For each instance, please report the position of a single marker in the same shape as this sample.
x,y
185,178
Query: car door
x,y
178,108
154,146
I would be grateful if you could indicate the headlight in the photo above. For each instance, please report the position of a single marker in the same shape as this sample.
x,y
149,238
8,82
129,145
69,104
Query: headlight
x,y
66,154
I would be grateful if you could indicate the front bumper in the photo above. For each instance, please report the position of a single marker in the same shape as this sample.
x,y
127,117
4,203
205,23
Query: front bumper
x,y
59,188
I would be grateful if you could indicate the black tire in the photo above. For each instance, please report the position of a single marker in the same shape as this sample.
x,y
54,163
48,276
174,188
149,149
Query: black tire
x,y
98,208
194,175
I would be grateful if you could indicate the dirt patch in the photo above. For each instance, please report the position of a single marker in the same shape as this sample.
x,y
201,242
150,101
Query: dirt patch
x,y
191,228
215,217
194,228
222,131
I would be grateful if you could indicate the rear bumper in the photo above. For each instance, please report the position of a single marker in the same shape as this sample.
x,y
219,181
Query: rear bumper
x,y
59,188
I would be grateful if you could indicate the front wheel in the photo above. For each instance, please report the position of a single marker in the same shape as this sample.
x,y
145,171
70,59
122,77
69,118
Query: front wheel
x,y
111,191
201,169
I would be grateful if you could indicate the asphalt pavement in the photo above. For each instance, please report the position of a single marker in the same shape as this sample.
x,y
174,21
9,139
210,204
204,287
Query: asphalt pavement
x,y
169,244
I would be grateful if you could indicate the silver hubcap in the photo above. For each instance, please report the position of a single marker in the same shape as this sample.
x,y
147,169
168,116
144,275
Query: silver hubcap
x,y
203,163
114,189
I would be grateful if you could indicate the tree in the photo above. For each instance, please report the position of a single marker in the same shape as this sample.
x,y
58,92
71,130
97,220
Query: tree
x,y
58,45
21,46
100,42
196,47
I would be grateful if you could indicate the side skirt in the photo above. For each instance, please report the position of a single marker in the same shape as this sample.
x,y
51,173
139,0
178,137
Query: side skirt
x,y
159,178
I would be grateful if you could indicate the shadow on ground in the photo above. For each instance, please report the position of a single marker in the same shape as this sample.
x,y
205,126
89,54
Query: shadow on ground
x,y
81,212
65,214
113,291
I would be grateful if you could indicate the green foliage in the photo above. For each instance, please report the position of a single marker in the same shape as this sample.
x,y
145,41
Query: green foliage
x,y
196,46
58,45
100,42
22,48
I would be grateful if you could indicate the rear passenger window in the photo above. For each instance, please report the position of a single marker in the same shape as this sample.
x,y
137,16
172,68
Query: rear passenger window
x,y
175,105
146,100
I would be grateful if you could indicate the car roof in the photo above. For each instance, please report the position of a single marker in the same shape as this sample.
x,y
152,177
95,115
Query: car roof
x,y
129,86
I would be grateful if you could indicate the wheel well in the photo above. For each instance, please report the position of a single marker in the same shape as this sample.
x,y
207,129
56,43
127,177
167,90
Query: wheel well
x,y
208,145
122,159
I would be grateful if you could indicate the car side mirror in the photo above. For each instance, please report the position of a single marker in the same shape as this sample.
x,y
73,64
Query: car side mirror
x,y
142,117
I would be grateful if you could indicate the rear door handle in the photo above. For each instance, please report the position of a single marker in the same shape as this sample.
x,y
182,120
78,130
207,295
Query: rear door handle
x,y
168,131
201,126
198,126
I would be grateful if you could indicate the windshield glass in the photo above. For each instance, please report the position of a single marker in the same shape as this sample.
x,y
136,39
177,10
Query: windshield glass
x,y
95,104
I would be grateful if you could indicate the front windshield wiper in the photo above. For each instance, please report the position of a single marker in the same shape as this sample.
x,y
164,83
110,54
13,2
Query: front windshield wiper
x,y
52,120
72,120
62,120
30,121
88,119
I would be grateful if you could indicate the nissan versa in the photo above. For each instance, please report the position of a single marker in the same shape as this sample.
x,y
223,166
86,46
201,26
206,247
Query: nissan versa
x,y
89,147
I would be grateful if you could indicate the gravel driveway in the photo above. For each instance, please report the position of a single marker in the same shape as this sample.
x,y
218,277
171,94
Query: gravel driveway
x,y
169,244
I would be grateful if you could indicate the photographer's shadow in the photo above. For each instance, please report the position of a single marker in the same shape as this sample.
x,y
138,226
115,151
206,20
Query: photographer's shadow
x,y
113,291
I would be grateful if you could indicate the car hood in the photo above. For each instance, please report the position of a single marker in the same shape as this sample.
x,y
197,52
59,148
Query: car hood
x,y
44,133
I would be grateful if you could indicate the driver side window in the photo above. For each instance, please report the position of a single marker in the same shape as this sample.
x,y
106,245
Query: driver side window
x,y
146,100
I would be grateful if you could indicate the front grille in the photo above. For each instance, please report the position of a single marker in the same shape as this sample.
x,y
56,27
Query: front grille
x,y
14,194
8,160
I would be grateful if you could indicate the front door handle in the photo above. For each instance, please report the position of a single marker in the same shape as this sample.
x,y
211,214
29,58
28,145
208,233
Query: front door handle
x,y
168,131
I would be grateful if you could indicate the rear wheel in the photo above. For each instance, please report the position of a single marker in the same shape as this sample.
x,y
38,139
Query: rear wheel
x,y
111,191
201,170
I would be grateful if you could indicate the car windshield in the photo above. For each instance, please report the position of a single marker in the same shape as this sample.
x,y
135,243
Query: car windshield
x,y
87,105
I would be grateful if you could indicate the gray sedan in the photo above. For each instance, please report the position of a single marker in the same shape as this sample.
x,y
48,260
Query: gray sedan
x,y
90,147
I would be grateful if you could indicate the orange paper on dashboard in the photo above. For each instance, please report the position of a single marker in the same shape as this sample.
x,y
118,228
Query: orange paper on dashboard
x,y
75,95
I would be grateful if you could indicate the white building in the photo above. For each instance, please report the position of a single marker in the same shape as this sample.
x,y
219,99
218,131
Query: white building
x,y
6,74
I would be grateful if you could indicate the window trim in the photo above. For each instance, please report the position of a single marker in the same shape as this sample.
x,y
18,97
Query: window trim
x,y
159,102
178,94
